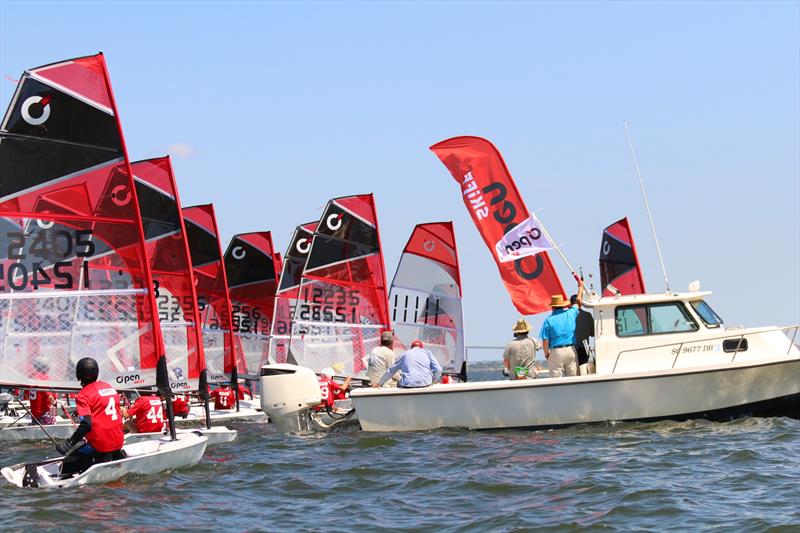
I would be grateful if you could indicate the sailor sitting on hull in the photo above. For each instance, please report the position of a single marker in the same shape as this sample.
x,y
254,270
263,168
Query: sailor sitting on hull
x,y
100,422
418,366
146,415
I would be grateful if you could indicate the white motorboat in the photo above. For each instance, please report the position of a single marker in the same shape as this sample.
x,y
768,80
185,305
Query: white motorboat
x,y
214,434
658,356
146,457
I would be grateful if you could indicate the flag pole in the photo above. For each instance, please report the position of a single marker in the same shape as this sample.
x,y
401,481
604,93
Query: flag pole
x,y
646,205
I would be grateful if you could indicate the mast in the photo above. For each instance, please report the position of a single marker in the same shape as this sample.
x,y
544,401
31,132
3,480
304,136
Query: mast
x,y
646,205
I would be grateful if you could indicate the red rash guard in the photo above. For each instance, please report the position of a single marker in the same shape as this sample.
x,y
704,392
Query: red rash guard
x,y
149,414
100,401
180,406
40,402
223,399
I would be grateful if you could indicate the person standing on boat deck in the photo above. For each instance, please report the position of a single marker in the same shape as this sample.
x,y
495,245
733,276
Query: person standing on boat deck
x,y
519,356
147,414
558,336
584,328
418,366
100,422
381,358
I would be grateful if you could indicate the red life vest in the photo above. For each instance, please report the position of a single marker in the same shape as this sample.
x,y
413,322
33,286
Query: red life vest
x,y
100,401
149,414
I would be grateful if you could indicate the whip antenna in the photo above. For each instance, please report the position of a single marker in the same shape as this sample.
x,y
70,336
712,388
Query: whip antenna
x,y
646,205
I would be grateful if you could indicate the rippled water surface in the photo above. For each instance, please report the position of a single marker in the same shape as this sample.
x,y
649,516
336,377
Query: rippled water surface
x,y
742,475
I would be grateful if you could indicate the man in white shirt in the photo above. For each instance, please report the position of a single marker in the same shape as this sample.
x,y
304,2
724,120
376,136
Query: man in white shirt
x,y
381,358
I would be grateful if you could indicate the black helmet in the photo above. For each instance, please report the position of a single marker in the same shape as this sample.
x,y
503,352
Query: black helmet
x,y
86,370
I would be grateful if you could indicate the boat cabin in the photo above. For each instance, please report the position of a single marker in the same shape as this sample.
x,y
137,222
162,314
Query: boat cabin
x,y
647,332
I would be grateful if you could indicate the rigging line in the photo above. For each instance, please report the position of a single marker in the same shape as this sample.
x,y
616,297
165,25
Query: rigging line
x,y
646,205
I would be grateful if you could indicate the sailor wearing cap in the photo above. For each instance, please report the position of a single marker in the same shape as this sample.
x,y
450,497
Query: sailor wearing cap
x,y
558,336
519,357
381,358
418,366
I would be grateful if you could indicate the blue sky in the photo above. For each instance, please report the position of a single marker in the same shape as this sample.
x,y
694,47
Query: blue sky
x,y
269,109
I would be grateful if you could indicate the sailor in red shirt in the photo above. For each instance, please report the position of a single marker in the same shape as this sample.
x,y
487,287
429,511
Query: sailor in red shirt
x,y
147,413
100,422
41,402
224,398
241,390
330,390
180,406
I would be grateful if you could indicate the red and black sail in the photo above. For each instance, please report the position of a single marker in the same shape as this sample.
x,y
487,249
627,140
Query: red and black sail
x,y
342,305
75,280
252,282
212,291
619,265
294,261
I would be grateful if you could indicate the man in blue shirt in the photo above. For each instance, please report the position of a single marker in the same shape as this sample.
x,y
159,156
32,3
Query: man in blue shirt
x,y
418,366
558,336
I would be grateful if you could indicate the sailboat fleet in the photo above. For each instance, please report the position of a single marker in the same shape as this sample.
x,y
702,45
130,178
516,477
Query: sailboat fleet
x,y
100,259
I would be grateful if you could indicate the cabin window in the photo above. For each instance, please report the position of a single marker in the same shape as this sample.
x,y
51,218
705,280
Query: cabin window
x,y
631,320
653,319
711,319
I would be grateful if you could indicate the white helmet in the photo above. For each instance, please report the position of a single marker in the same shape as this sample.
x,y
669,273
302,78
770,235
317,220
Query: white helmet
x,y
327,371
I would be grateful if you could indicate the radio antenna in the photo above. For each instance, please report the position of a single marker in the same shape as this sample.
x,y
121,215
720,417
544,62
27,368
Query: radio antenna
x,y
646,205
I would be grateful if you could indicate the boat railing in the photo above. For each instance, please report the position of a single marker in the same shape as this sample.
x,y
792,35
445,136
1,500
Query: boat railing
x,y
737,336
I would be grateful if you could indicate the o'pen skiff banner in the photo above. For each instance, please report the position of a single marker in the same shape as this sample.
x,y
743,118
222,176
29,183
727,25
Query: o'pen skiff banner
x,y
496,207
526,238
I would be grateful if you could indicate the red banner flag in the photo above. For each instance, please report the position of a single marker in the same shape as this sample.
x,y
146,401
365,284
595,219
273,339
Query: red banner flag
x,y
495,205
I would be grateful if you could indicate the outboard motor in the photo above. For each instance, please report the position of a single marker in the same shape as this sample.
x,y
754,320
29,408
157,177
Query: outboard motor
x,y
288,394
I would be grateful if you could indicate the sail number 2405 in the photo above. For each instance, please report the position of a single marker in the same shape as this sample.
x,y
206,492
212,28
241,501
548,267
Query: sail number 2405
x,y
56,251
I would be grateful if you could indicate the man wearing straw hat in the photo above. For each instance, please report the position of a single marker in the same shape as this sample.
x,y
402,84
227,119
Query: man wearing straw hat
x,y
558,336
519,357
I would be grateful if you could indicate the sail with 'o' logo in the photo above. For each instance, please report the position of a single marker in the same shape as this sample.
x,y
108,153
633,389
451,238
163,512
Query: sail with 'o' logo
x,y
294,261
75,280
212,291
341,306
425,296
620,273
252,282
173,280
496,207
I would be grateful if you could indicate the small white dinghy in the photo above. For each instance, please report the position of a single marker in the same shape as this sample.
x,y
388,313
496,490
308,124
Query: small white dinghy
x,y
17,433
244,414
144,458
214,434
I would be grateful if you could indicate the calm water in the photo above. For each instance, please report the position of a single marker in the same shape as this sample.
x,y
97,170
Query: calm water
x,y
742,475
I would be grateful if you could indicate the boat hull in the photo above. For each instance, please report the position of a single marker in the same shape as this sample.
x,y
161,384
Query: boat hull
x,y
144,458
214,434
720,392
35,433
197,417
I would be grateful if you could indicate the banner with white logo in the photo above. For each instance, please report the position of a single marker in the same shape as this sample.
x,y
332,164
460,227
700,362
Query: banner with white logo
x,y
524,239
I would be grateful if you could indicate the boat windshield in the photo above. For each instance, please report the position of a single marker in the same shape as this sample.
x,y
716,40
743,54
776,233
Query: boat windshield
x,y
708,315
